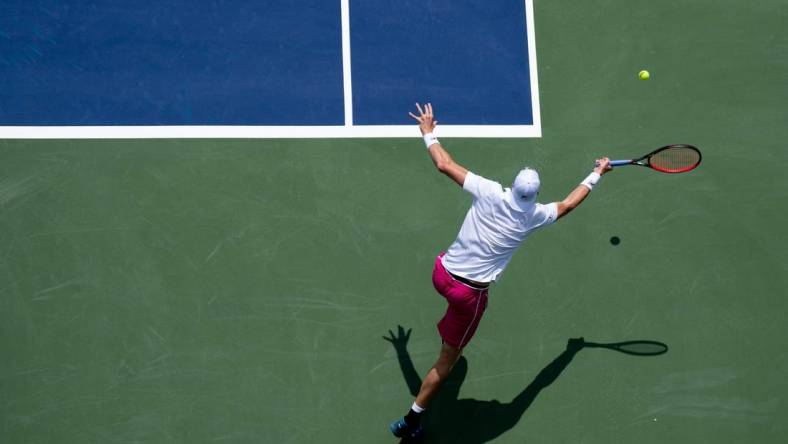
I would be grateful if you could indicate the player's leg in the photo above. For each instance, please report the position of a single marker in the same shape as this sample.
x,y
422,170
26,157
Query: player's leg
x,y
456,329
437,374
410,425
465,310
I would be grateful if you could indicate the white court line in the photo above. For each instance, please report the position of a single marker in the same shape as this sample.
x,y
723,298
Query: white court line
x,y
258,132
346,71
302,132
531,32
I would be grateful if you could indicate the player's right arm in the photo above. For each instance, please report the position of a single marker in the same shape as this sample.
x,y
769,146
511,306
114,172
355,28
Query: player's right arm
x,y
440,157
579,194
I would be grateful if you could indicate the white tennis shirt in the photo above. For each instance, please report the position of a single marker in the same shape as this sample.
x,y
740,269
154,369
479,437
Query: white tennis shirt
x,y
493,229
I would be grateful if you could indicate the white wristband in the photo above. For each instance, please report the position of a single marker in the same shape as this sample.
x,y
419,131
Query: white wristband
x,y
430,139
591,180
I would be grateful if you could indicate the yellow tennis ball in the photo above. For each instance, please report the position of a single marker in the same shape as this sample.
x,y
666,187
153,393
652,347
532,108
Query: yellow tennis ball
x,y
644,75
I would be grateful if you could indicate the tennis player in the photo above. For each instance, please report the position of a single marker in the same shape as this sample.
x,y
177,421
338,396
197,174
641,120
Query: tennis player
x,y
497,223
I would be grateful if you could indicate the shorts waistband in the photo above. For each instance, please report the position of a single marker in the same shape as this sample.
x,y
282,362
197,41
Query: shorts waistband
x,y
468,282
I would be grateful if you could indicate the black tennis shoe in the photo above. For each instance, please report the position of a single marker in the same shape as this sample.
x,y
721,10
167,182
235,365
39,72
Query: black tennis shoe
x,y
401,429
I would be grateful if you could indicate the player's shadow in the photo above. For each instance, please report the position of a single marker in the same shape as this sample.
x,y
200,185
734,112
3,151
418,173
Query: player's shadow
x,y
471,421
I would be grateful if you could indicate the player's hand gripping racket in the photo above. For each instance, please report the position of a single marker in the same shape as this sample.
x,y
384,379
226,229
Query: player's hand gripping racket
x,y
668,159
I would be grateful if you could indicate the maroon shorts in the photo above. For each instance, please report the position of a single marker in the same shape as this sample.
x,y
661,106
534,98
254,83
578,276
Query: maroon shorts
x,y
466,306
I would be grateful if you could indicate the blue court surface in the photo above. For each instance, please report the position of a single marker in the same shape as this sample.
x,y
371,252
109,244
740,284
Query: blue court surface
x,y
342,68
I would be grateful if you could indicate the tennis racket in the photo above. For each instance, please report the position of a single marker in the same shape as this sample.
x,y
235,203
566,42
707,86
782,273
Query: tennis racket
x,y
639,348
668,159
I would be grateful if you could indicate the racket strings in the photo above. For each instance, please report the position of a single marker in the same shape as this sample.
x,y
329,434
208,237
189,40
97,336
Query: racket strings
x,y
675,159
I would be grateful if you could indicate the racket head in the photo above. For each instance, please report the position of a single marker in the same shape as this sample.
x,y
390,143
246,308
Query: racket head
x,y
678,158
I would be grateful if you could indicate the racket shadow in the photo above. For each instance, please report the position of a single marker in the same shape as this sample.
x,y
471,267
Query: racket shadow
x,y
471,421
635,348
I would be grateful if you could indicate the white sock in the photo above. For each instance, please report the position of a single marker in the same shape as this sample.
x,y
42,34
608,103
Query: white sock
x,y
415,407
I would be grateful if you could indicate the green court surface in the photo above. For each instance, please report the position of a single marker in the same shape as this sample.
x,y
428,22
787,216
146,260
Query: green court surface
x,y
239,291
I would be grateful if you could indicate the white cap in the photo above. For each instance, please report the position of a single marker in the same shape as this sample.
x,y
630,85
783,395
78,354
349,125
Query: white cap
x,y
525,188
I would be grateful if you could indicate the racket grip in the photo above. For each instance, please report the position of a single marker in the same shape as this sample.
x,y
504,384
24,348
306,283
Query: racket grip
x,y
614,163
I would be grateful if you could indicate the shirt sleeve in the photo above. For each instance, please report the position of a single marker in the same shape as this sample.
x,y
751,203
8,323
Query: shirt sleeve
x,y
544,215
480,187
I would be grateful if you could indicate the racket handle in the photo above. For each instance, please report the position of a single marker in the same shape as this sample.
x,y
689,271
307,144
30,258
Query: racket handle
x,y
615,163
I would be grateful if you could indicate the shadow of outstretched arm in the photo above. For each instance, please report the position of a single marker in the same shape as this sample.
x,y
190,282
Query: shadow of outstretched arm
x,y
400,343
545,377
492,418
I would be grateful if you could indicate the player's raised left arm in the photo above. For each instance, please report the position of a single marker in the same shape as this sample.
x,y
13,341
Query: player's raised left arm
x,y
440,157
